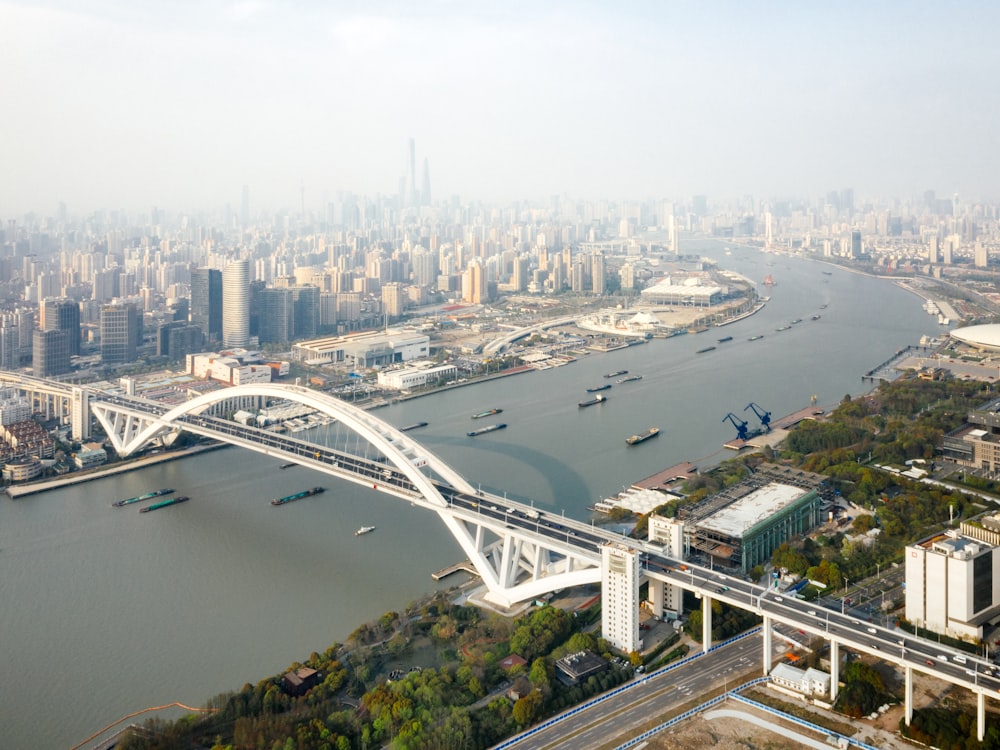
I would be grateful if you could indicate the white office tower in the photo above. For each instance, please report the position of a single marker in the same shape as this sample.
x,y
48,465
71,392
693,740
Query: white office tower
x,y
666,599
953,582
236,304
620,596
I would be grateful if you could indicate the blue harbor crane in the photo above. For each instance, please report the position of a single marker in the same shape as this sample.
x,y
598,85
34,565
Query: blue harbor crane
x,y
739,424
763,416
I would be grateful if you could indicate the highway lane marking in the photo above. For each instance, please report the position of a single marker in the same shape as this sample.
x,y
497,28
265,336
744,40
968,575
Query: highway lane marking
x,y
592,726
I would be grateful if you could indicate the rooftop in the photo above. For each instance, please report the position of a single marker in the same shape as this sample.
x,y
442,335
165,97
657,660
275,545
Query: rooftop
x,y
753,508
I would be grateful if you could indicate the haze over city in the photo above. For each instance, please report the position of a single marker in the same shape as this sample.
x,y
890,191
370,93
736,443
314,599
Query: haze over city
x,y
124,105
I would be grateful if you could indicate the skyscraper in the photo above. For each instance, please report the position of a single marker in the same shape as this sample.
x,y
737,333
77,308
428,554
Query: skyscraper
x,y
236,304
50,353
206,302
62,315
413,173
276,315
121,331
425,191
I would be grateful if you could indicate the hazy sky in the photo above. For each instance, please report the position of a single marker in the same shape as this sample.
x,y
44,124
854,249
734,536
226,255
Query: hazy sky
x,y
129,103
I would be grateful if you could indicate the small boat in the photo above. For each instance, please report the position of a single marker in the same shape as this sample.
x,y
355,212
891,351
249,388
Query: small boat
x,y
706,349
636,439
298,496
797,320
827,273
629,379
165,503
822,307
484,430
487,413
724,339
288,465
597,388
140,498
815,317
782,328
413,426
364,530
616,373
598,399
754,338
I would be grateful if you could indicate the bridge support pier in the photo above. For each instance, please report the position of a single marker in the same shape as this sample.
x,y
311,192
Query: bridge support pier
x,y
908,696
766,661
980,716
834,669
706,623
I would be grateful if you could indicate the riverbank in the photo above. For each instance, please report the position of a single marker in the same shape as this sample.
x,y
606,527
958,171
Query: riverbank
x,y
23,490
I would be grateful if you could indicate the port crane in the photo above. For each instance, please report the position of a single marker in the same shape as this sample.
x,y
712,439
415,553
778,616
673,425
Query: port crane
x,y
762,415
739,424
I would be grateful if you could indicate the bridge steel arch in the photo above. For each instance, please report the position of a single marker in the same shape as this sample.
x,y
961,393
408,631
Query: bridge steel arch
x,y
501,564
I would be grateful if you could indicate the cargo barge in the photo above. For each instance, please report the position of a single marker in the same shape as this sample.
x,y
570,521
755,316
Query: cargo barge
x,y
298,496
599,398
597,388
636,439
165,503
414,426
484,430
140,498
487,413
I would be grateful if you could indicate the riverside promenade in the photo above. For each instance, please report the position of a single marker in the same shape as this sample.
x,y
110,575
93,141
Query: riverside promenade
x,y
76,477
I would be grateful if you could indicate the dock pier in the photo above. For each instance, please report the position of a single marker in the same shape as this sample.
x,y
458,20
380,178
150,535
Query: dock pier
x,y
465,565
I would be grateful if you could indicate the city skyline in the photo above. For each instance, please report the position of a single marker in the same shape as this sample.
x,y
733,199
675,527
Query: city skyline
x,y
115,105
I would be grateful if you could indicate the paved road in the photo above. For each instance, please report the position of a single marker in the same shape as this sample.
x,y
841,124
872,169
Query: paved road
x,y
626,714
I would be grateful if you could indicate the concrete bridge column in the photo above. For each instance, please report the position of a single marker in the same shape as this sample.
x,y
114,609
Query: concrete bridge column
x,y
834,669
656,596
706,623
766,661
908,696
980,715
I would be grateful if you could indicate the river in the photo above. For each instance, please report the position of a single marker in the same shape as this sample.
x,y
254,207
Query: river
x,y
105,611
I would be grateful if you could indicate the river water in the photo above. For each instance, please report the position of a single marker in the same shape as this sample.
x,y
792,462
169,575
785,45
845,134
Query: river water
x,y
105,611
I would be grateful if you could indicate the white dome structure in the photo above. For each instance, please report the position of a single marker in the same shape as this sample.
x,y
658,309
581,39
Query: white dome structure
x,y
984,337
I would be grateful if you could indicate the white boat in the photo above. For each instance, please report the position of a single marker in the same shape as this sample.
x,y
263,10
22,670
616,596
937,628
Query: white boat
x,y
364,530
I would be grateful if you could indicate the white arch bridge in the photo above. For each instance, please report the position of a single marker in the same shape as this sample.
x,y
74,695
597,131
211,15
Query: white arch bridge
x,y
519,552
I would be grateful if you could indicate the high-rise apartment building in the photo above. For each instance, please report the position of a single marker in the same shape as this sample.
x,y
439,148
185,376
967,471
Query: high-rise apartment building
x,y
393,301
597,274
236,304
620,596
206,302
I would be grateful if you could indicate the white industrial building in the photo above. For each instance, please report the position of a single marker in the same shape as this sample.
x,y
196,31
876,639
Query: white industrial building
x,y
228,370
620,590
689,293
420,373
368,349
805,681
953,581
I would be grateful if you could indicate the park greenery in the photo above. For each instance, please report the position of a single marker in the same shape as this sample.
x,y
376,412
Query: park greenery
x,y
463,698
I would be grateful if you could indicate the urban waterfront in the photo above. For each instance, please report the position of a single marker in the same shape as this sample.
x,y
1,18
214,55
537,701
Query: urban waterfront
x,y
112,611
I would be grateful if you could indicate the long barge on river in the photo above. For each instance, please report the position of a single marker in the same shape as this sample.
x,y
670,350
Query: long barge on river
x,y
484,430
298,496
140,498
165,503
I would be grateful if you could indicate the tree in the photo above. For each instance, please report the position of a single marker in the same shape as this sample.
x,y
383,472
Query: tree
x,y
526,709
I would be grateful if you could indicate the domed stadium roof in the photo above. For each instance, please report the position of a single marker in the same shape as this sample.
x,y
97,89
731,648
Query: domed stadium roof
x,y
982,337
